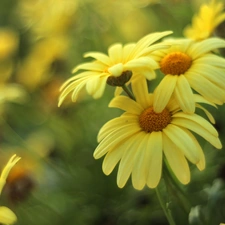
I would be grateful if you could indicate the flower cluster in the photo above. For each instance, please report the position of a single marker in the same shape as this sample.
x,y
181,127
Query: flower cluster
x,y
156,129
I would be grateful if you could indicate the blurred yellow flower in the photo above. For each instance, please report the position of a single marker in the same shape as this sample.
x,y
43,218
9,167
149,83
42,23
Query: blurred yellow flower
x,y
190,65
7,216
140,136
203,24
8,46
8,43
47,17
120,63
35,70
11,92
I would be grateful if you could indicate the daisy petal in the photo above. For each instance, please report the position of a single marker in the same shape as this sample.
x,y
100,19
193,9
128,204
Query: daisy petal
x,y
148,40
115,53
206,46
140,90
111,125
113,157
127,160
184,95
201,163
208,114
206,88
140,163
154,159
99,56
163,92
93,66
176,160
114,139
126,104
7,216
96,86
196,125
141,62
183,142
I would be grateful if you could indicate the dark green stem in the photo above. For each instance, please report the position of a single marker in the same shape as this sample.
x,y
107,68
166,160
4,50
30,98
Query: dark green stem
x,y
129,93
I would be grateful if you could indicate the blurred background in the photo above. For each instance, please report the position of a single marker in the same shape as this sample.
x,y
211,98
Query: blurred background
x,y
58,181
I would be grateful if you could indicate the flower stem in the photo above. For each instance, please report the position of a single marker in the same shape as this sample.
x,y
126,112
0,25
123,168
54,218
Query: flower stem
x,y
166,210
129,93
176,190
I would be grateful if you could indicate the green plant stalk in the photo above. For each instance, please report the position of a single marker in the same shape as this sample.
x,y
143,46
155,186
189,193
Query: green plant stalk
x,y
176,190
165,209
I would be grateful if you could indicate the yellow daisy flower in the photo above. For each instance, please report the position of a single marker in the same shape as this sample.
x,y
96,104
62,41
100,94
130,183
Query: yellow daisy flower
x,y
204,23
7,216
189,66
141,138
121,62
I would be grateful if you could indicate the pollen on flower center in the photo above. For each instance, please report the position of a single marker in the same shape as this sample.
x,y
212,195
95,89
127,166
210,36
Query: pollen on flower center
x,y
175,63
151,121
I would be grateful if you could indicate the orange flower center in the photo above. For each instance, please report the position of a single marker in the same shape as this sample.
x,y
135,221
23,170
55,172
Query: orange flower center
x,y
175,63
151,121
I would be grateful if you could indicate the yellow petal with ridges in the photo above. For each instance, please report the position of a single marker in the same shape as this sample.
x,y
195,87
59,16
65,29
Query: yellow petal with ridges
x,y
99,56
93,66
198,129
113,157
116,123
154,158
140,91
163,92
176,160
208,114
183,142
201,163
205,46
115,53
114,139
206,88
211,59
148,40
126,104
198,120
127,160
139,175
184,95
142,62
7,216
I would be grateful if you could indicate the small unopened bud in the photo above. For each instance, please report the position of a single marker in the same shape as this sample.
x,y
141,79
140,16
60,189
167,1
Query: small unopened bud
x,y
121,80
